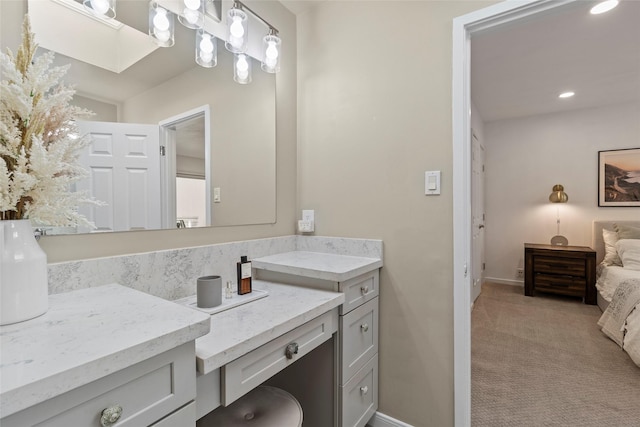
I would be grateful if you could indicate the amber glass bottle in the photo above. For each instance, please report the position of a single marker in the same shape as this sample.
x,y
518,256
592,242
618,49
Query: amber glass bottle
x,y
244,276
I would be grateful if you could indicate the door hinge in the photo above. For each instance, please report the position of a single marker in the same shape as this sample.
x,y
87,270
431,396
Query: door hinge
x,y
162,151
484,266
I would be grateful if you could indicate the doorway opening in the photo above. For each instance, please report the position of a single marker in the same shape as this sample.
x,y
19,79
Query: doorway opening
x,y
186,169
463,27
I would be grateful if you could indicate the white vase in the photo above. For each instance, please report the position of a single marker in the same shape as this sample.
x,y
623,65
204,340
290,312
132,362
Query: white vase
x,y
24,291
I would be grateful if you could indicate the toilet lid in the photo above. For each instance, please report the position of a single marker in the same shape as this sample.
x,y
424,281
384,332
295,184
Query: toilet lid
x,y
263,406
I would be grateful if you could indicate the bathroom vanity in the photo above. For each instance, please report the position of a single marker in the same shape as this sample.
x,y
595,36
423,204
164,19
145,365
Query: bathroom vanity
x,y
117,356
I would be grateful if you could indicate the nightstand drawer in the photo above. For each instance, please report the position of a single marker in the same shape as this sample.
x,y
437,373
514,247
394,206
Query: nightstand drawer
x,y
567,285
559,265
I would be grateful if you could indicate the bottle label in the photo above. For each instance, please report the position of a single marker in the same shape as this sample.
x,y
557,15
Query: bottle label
x,y
245,270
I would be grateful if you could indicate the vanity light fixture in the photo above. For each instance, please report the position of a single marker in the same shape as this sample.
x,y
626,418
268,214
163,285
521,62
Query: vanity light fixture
x,y
237,30
604,6
101,8
242,68
192,14
237,36
161,25
206,49
565,95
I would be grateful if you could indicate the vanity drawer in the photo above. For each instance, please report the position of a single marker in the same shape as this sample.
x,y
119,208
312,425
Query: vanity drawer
x,y
147,392
359,397
359,339
359,290
247,372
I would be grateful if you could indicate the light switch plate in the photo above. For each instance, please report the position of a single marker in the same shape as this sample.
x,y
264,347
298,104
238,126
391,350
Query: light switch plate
x,y
432,183
216,195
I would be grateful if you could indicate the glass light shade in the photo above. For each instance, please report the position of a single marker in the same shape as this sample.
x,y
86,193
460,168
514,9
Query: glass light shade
x,y
242,68
161,25
558,195
102,8
192,15
237,31
206,49
271,45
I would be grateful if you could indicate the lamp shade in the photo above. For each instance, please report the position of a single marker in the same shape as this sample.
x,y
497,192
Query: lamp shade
x,y
558,195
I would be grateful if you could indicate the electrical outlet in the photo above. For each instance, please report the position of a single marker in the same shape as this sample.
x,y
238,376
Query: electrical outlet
x,y
305,226
520,273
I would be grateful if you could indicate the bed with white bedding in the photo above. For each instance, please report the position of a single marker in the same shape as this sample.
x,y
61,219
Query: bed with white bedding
x,y
617,245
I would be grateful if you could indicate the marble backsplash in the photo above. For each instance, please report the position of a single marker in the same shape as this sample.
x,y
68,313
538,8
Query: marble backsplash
x,y
172,274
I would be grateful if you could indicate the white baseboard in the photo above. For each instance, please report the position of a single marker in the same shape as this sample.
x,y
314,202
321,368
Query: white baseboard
x,y
504,281
381,420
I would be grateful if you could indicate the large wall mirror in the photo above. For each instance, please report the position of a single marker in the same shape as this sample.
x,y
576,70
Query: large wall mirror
x,y
220,168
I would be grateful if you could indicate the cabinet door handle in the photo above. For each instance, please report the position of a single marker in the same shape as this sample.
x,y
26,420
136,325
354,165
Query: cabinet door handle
x,y
110,415
364,390
364,327
364,289
291,350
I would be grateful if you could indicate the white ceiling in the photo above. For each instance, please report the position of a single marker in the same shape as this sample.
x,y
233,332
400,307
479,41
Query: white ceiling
x,y
520,69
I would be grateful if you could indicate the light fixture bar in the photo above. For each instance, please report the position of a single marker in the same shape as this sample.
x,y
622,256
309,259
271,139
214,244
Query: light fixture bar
x,y
260,18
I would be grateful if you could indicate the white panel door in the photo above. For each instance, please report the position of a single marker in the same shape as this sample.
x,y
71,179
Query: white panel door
x,y
477,209
123,161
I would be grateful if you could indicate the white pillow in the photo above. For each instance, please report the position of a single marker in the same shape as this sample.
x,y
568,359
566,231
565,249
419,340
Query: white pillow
x,y
629,252
610,252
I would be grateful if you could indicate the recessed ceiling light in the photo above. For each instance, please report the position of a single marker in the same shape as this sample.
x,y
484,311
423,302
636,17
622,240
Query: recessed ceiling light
x,y
566,94
603,7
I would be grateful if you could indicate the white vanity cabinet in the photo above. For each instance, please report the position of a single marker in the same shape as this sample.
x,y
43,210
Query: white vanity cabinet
x,y
104,356
357,345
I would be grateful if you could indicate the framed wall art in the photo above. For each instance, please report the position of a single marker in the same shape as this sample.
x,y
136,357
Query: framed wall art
x,y
619,177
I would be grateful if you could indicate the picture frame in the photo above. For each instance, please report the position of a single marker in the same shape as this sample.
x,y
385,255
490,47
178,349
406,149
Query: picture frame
x,y
619,178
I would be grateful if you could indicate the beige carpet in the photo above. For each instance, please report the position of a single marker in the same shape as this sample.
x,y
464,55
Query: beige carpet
x,y
542,361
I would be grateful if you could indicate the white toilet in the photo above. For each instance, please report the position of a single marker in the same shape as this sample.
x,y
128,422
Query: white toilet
x,y
263,406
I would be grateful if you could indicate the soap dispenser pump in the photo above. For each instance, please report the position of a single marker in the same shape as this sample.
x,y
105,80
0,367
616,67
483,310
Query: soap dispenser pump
x,y
244,276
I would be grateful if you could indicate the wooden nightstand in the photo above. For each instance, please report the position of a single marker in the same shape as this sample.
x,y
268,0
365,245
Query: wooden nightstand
x,y
564,270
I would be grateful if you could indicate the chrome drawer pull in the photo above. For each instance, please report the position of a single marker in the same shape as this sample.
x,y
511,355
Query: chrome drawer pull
x,y
364,289
364,327
364,390
110,415
291,350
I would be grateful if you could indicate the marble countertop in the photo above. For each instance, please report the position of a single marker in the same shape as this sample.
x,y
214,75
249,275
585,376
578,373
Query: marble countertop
x,y
316,265
238,331
86,335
